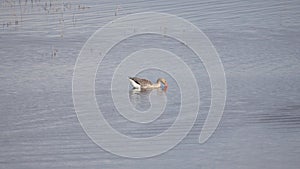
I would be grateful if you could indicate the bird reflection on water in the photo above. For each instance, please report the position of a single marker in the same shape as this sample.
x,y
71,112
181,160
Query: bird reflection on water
x,y
140,98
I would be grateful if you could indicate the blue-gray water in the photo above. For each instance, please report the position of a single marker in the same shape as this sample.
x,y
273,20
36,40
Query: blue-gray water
x,y
258,43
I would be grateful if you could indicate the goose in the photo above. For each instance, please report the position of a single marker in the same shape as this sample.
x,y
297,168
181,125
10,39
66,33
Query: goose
x,y
139,83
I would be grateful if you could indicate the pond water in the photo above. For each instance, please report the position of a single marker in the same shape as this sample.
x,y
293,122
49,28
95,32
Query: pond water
x,y
258,44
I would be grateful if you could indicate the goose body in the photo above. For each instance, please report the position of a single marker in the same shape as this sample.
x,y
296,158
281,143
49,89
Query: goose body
x,y
139,83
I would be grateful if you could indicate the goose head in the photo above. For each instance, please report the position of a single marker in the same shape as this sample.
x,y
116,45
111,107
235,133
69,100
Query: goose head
x,y
163,81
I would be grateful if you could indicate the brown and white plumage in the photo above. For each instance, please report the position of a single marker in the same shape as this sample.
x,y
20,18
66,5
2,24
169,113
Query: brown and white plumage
x,y
139,83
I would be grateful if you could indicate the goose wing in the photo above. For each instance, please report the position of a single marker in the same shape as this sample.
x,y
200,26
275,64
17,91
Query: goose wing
x,y
142,82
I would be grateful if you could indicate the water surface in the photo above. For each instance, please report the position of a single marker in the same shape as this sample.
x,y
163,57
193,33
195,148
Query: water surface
x,y
258,43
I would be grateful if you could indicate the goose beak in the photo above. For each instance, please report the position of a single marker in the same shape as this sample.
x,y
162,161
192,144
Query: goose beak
x,y
166,84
